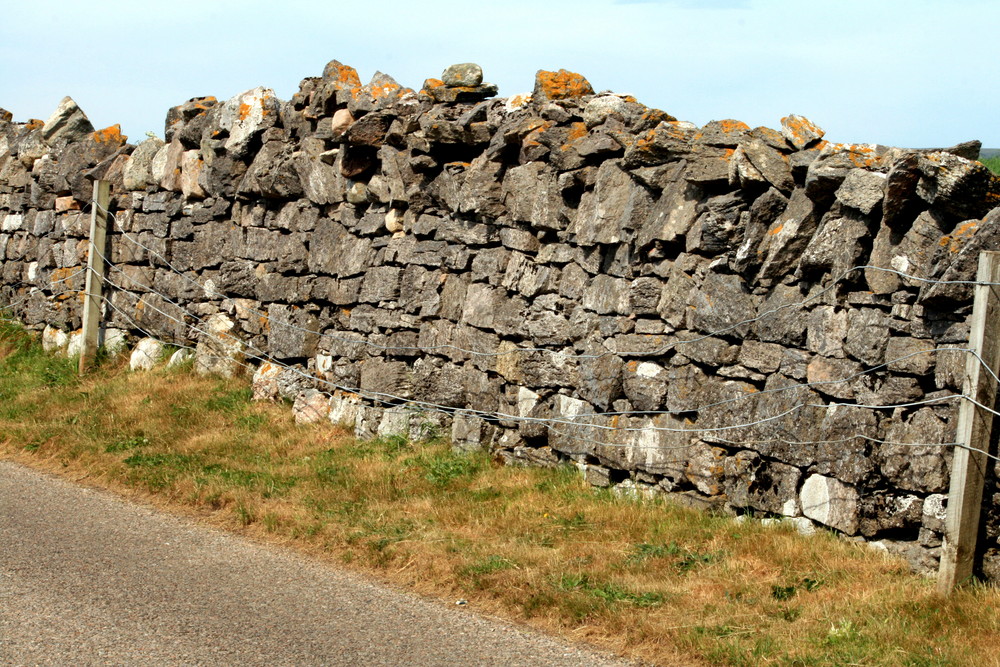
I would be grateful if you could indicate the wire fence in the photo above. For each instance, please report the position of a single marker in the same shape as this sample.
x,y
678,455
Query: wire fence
x,y
598,429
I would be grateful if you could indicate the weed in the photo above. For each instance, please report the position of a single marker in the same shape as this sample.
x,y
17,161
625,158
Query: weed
x,y
229,400
125,445
607,592
443,469
488,565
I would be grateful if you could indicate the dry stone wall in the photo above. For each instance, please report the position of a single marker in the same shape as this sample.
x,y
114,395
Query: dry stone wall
x,y
746,318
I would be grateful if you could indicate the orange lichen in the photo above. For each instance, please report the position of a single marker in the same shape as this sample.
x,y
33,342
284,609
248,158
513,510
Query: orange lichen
x,y
954,241
561,85
776,230
110,135
34,124
347,75
730,125
385,90
244,111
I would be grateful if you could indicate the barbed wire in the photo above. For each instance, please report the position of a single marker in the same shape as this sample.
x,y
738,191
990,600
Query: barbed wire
x,y
571,421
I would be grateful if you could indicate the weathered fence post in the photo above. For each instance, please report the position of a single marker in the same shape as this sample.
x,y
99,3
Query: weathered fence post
x,y
969,465
95,273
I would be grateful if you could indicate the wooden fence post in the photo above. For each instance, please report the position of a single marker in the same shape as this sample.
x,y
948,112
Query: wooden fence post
x,y
95,273
968,468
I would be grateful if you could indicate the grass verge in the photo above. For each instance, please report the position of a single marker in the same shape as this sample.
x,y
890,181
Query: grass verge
x,y
644,579
992,163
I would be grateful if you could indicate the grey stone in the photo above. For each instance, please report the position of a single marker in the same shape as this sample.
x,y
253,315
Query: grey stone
x,y
645,385
531,194
862,189
838,245
720,306
918,463
788,237
610,213
883,513
827,328
867,336
673,214
67,124
606,295
910,355
800,132
753,482
831,503
771,163
464,74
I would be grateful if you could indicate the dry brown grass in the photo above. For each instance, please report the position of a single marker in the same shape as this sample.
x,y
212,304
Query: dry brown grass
x,y
642,578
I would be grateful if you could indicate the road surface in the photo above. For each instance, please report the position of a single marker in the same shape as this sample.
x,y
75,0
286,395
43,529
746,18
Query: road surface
x,y
89,579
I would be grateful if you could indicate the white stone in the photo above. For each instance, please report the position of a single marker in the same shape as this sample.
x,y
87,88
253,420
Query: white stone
x,y
180,357
32,270
831,503
53,339
345,409
311,406
146,355
395,421
526,401
75,346
114,341
647,369
12,222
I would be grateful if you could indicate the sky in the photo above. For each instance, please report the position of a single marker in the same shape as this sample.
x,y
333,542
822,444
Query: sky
x,y
909,73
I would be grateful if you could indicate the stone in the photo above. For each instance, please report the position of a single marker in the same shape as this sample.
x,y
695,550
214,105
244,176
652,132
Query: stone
x,y
826,331
670,141
706,466
673,214
464,74
867,336
770,163
839,244
862,190
831,503
800,132
147,353
910,355
955,186
833,376
599,108
608,214
67,124
753,482
245,117
722,133
788,237
720,306
531,194
645,385
917,460
834,162
882,513
310,407
137,173
561,85
219,350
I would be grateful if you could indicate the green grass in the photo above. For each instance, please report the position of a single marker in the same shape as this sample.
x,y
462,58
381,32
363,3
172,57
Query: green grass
x,y
644,578
992,163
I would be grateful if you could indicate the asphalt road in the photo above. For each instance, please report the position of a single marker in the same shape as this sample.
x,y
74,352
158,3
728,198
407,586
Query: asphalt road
x,y
89,579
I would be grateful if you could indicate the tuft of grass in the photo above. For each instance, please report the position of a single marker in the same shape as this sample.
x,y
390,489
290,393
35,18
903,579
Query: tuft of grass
x,y
991,163
646,579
